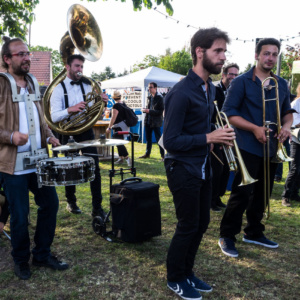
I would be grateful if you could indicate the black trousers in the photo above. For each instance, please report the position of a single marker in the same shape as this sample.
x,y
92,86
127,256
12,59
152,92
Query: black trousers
x,y
148,131
249,198
191,197
96,183
292,183
122,151
220,175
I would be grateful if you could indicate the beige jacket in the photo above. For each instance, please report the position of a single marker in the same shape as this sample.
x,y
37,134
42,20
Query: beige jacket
x,y
9,122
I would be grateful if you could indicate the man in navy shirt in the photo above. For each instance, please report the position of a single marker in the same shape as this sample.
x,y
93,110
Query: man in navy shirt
x,y
244,108
187,137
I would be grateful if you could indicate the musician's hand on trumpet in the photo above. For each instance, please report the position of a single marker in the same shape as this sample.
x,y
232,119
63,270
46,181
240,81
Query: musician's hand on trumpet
x,y
77,108
285,133
260,133
221,136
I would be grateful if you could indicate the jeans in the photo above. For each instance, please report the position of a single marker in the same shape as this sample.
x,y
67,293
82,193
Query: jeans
x,y
157,133
16,188
96,183
191,197
292,183
248,197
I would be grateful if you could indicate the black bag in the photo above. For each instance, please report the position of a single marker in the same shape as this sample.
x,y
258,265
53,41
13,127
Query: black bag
x,y
131,118
135,209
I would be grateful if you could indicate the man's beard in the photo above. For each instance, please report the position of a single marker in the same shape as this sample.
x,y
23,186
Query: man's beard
x,y
18,70
209,66
73,75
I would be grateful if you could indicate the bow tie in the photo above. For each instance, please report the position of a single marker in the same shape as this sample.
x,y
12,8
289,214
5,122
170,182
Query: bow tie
x,y
81,80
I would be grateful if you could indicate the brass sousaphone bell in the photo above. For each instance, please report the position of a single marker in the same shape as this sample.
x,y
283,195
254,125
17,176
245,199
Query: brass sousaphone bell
x,y
84,35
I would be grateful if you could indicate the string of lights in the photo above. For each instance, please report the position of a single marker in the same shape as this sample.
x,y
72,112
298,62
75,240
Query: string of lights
x,y
236,39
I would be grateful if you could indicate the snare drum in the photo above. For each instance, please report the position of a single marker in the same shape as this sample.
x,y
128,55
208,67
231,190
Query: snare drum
x,y
65,170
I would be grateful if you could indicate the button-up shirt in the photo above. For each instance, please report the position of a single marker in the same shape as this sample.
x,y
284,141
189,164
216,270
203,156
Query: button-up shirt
x,y
244,99
187,121
57,101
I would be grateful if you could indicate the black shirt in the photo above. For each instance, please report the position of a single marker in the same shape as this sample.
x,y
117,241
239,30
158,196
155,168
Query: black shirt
x,y
187,121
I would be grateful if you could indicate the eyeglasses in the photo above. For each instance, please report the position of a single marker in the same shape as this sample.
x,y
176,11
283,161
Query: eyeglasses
x,y
23,54
151,87
233,74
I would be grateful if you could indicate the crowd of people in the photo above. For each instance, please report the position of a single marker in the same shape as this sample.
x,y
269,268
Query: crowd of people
x,y
189,137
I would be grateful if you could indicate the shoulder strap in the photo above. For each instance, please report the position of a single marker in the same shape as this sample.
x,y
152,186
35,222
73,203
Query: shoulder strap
x,y
83,92
65,94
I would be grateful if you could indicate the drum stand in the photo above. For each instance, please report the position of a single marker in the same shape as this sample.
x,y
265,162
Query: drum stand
x,y
99,225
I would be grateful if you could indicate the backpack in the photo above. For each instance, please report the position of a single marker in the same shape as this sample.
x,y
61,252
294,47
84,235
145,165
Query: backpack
x,y
130,118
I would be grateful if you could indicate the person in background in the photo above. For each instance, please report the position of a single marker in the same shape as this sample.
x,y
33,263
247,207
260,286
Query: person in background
x,y
292,183
154,119
221,172
117,124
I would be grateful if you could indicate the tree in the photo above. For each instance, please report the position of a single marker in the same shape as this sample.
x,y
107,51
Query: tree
x,y
179,62
148,61
12,11
57,64
291,54
107,74
138,4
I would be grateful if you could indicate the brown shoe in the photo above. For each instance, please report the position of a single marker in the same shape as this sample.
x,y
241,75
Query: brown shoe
x,y
145,156
286,202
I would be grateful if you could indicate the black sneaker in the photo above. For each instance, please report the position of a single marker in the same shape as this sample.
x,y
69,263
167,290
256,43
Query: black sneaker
x,y
22,270
228,248
198,284
73,208
184,290
51,262
263,241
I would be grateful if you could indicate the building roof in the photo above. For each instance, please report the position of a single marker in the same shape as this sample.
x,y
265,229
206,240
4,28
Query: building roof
x,y
41,67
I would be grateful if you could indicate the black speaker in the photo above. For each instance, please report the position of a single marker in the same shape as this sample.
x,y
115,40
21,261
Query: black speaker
x,y
135,210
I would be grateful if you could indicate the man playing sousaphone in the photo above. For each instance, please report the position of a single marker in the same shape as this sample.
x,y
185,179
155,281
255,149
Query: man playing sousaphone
x,y
24,135
69,97
244,108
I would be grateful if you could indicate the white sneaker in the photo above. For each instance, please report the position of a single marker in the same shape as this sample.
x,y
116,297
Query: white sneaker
x,y
119,161
128,161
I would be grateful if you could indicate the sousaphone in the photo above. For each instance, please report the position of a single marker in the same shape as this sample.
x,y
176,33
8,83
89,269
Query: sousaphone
x,y
84,35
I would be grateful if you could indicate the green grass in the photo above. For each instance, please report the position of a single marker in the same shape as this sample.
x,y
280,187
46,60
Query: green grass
x,y
103,270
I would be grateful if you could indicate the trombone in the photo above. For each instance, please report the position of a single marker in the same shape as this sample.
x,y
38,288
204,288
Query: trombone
x,y
281,155
229,154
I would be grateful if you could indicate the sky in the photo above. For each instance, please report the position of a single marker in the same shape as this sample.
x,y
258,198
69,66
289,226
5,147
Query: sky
x,y
129,36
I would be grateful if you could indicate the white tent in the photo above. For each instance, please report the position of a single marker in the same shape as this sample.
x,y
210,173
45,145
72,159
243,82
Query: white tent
x,y
141,79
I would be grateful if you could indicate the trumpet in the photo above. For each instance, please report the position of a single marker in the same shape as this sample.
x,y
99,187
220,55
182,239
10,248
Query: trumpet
x,y
229,154
281,155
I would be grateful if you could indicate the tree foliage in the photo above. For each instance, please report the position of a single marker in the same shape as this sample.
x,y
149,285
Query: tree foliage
x,y
107,74
57,64
148,61
291,54
11,12
15,15
179,62
138,4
